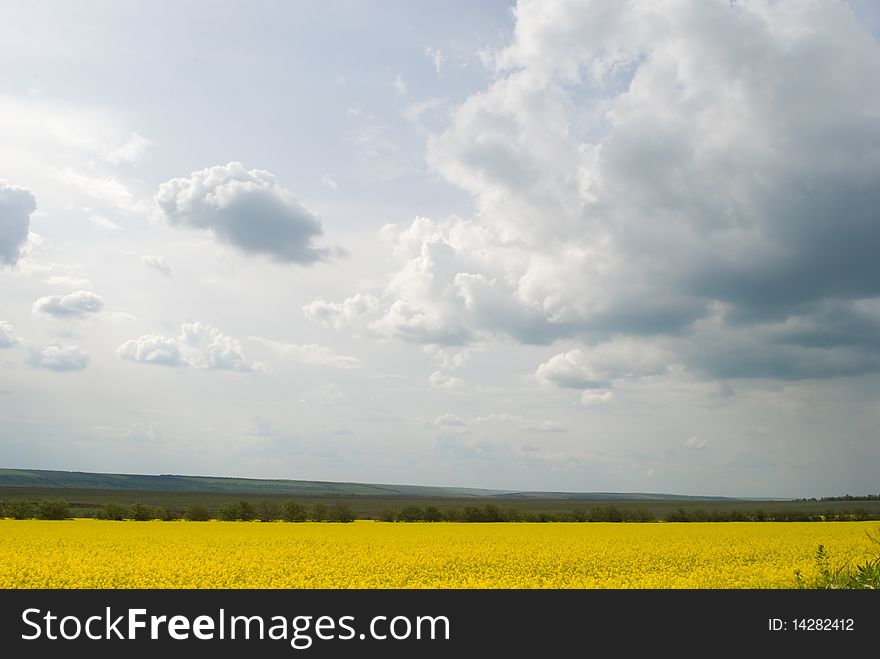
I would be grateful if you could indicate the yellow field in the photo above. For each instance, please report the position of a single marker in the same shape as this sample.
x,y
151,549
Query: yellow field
x,y
103,554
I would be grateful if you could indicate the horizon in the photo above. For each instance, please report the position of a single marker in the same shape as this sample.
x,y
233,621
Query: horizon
x,y
563,245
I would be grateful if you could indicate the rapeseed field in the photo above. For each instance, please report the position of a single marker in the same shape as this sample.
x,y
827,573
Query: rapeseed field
x,y
365,554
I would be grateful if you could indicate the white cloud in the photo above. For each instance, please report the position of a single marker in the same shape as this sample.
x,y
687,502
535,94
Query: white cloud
x,y
157,263
8,338
596,397
197,345
104,223
310,354
244,208
153,349
328,182
449,420
399,85
58,358
16,206
144,433
80,304
695,442
570,369
522,422
380,154
68,281
102,188
129,151
441,380
437,58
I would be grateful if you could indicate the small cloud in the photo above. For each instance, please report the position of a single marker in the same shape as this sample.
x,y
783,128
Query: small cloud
x,y
354,110
399,85
8,338
547,425
449,420
310,354
328,182
16,207
261,428
569,370
696,442
152,349
245,208
759,431
142,433
130,151
596,397
80,304
58,358
104,223
157,263
68,282
441,380
198,345
105,188
437,58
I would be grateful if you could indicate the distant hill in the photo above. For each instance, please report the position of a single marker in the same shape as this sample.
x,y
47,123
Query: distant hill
x,y
40,478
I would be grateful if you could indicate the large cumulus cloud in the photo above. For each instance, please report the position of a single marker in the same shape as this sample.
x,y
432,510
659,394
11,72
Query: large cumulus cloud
x,y
699,174
16,206
246,208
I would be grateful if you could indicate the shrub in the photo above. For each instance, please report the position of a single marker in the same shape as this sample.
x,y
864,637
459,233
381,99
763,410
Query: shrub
x,y
294,512
433,514
229,512
340,512
268,511
112,511
142,513
197,513
53,509
319,513
19,509
169,515
410,514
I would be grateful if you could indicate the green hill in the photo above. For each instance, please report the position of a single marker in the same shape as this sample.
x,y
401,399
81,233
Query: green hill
x,y
40,478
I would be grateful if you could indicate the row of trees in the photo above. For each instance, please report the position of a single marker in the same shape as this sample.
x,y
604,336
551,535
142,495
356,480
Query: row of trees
x,y
857,515
293,511
235,511
45,509
265,511
494,513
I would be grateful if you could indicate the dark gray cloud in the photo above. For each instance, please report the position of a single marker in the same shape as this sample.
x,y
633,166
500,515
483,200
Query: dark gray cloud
x,y
634,172
244,208
16,206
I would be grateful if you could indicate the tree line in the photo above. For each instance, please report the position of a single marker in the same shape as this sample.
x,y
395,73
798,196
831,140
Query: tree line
x,y
337,511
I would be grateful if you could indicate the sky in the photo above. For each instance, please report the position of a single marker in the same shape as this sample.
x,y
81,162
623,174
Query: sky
x,y
559,245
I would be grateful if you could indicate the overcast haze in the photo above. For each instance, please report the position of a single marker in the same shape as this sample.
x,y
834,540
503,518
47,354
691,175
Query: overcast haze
x,y
557,245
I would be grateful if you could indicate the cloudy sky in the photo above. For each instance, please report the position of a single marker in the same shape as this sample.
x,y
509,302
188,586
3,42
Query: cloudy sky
x,y
560,245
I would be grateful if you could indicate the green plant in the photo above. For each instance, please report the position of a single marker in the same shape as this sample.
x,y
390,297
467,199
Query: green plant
x,y
860,577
